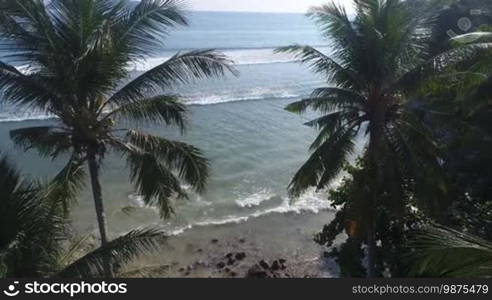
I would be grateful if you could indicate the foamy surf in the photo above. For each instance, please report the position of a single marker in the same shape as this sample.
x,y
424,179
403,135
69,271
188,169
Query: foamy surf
x,y
198,100
248,95
255,199
310,202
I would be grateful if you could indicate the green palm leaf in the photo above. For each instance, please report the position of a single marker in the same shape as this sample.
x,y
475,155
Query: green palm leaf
x,y
180,69
325,163
120,252
328,66
48,141
148,24
65,187
440,251
188,161
30,231
159,109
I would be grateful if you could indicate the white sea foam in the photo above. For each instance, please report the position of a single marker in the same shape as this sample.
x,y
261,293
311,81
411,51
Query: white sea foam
x,y
137,200
252,94
200,100
255,199
311,201
24,117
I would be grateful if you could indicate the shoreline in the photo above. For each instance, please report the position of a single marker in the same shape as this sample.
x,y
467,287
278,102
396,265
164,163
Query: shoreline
x,y
232,250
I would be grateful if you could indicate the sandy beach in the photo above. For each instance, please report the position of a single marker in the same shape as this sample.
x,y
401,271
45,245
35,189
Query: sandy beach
x,y
203,252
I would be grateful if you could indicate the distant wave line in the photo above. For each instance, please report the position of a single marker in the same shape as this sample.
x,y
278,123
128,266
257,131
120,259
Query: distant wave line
x,y
192,102
182,50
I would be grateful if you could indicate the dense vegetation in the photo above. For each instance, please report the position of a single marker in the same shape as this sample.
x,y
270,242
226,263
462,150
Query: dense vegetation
x,y
416,83
412,78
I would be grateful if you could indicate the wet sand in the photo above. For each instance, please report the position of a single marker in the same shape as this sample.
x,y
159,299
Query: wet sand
x,y
212,251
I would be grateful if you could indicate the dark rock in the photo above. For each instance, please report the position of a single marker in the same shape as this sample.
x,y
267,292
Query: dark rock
x,y
240,256
220,265
227,270
282,264
276,265
229,255
215,241
277,269
264,265
242,241
230,261
199,250
181,270
233,274
257,272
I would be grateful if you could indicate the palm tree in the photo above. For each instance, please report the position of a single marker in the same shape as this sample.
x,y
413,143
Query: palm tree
x,y
79,54
34,235
373,57
439,251
29,232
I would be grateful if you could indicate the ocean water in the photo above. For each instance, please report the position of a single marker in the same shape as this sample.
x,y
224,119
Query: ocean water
x,y
254,145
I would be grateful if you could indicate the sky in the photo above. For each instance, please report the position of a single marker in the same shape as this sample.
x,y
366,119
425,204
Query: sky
x,y
280,6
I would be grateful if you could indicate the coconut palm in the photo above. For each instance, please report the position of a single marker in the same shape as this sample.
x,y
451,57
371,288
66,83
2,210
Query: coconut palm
x,y
34,235
77,57
29,232
440,251
373,57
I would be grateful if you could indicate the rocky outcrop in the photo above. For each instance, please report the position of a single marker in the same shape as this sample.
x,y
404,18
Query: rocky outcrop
x,y
277,269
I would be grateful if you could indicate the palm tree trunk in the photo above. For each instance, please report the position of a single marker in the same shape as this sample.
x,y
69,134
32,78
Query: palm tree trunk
x,y
374,152
371,251
371,222
99,205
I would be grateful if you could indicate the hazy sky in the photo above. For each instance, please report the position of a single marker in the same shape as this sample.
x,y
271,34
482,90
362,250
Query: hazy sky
x,y
300,6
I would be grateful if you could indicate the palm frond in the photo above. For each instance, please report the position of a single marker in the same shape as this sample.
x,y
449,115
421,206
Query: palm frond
x,y
32,90
77,246
146,272
30,231
148,24
26,28
325,163
439,65
180,69
65,187
334,21
189,162
440,251
120,252
159,109
334,71
330,124
328,100
48,141
154,181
